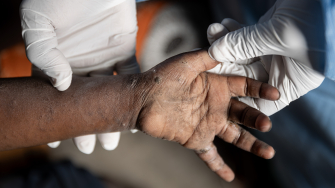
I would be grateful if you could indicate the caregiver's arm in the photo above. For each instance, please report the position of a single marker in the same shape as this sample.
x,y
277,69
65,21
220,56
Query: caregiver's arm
x,y
32,112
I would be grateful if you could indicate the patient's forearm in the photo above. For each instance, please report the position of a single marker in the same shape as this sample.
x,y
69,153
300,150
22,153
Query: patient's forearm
x,y
32,112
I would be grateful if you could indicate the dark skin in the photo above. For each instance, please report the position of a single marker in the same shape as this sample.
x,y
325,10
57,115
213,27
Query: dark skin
x,y
176,100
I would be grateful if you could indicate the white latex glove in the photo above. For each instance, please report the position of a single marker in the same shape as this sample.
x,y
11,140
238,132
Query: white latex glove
x,y
292,28
279,50
85,37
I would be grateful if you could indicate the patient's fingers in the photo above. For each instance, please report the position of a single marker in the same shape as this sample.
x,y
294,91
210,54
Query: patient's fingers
x,y
233,133
241,113
242,86
214,161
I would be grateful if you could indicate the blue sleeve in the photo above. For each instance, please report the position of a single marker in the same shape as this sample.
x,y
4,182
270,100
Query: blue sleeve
x,y
329,16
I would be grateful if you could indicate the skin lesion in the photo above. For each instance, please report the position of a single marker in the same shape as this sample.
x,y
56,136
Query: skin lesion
x,y
157,80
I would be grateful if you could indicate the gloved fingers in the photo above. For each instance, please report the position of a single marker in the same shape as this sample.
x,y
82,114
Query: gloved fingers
x,y
133,130
214,161
256,71
215,31
253,41
243,114
229,69
41,47
241,138
53,64
109,141
292,78
54,144
60,80
231,24
86,143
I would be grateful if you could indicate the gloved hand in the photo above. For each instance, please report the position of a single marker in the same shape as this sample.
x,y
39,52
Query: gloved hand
x,y
280,50
88,38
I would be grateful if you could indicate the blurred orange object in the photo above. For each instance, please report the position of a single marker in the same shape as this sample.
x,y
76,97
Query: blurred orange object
x,y
146,13
14,63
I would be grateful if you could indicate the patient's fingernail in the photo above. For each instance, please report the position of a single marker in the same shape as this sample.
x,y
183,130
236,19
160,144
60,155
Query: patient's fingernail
x,y
263,123
270,154
279,95
269,92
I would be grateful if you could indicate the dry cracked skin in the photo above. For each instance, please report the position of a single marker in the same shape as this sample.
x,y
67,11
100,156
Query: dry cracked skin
x,y
191,107
176,100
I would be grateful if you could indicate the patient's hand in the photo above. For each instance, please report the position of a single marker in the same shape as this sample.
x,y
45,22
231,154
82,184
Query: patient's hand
x,y
191,107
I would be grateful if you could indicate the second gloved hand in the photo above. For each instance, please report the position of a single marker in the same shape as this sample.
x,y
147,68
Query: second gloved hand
x,y
291,77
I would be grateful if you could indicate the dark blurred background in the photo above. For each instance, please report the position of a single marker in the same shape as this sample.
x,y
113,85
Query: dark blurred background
x,y
166,28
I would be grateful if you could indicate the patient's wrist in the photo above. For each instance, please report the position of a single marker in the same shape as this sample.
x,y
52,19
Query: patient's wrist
x,y
136,89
